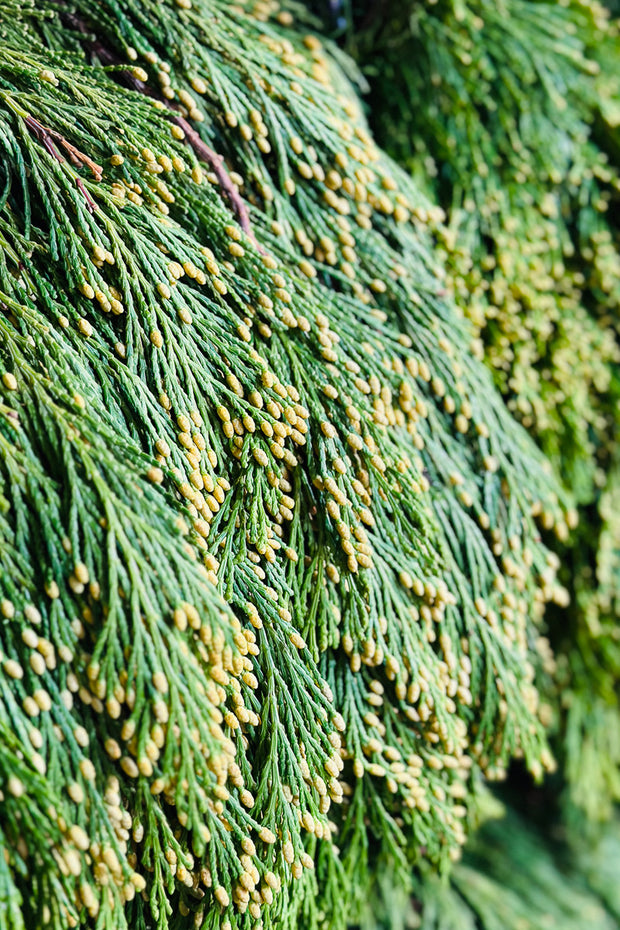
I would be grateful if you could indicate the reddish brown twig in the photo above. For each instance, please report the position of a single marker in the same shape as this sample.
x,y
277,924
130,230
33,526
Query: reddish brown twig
x,y
90,203
79,158
44,136
216,162
49,136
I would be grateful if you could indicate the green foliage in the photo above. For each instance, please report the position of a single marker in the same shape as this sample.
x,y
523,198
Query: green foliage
x,y
271,571
508,114
514,877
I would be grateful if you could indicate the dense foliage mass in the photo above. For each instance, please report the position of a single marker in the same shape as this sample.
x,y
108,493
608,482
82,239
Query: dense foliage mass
x,y
508,115
272,572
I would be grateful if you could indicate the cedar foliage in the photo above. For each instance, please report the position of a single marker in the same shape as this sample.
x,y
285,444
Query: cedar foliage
x,y
271,569
508,115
